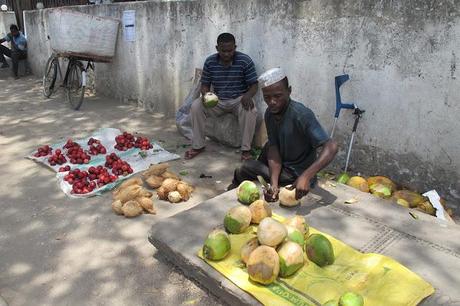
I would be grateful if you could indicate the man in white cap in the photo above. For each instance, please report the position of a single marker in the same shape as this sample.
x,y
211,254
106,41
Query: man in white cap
x,y
294,135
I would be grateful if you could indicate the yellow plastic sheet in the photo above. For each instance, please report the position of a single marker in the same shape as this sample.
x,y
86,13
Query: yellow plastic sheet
x,y
379,279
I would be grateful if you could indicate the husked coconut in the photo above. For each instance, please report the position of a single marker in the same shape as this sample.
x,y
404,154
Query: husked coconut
x,y
247,249
271,232
174,197
299,223
295,235
287,197
259,211
291,258
263,265
237,219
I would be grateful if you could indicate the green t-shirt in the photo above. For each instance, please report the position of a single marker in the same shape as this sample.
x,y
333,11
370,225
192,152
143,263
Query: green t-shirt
x,y
297,135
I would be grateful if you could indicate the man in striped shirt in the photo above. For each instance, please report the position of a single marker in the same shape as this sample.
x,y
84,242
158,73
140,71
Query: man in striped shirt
x,y
233,77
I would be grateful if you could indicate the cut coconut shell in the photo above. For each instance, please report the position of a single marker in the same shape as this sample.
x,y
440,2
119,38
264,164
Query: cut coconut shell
x,y
413,199
287,197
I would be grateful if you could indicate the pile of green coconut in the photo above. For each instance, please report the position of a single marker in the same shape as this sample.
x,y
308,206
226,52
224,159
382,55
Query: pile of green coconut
x,y
280,249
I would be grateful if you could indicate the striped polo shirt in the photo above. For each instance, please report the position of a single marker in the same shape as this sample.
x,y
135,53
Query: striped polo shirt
x,y
232,81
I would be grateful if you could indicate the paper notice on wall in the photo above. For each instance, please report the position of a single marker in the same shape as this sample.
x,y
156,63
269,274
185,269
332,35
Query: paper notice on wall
x,y
129,25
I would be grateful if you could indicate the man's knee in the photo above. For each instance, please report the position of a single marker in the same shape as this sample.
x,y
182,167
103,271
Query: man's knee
x,y
197,107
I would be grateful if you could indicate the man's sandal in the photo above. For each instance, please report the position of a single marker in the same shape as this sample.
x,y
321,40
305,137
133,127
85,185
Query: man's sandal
x,y
192,153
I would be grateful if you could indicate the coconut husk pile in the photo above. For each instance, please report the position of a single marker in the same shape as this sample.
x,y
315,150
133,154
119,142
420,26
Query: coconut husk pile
x,y
131,199
169,186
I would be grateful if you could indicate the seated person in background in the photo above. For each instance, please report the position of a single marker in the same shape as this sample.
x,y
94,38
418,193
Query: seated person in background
x,y
233,77
294,135
18,49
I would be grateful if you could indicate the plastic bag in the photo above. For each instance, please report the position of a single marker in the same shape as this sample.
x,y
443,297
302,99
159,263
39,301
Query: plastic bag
x,y
183,120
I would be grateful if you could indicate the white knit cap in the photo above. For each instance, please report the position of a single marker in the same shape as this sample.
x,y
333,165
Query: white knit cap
x,y
271,76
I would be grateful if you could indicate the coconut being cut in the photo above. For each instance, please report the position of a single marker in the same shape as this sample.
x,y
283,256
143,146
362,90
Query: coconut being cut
x,y
287,196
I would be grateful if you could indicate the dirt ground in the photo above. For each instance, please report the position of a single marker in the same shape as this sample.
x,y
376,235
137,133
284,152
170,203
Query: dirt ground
x,y
60,251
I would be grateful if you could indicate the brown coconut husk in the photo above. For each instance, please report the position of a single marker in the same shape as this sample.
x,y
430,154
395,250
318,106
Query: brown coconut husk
x,y
128,182
157,170
154,181
147,205
185,190
169,174
170,184
132,209
116,207
129,193
162,193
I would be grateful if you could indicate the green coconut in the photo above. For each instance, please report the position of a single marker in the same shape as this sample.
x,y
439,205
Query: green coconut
x,y
295,235
217,245
263,265
351,299
271,232
319,250
247,249
247,192
237,219
210,100
259,211
380,190
291,258
331,303
299,223
343,178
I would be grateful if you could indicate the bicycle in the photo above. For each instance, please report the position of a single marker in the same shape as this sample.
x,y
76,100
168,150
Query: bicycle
x,y
74,81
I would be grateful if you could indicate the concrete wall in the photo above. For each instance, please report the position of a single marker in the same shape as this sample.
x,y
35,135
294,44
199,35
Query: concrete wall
x,y
401,56
6,19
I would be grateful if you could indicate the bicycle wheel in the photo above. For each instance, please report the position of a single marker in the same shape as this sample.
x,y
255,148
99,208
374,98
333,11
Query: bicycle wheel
x,y
75,85
50,76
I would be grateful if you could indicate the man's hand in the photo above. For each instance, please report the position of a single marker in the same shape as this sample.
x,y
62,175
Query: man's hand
x,y
302,186
247,103
271,195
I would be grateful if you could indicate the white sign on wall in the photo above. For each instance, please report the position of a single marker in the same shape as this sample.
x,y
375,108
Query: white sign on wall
x,y
129,25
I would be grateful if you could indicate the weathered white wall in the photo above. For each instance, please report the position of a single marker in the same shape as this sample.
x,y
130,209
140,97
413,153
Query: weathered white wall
x,y
6,19
401,56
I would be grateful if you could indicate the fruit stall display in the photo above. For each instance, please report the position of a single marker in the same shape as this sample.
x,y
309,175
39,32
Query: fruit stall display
x,y
257,249
98,163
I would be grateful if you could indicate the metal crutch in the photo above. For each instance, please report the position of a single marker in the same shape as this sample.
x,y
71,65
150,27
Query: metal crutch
x,y
339,80
358,113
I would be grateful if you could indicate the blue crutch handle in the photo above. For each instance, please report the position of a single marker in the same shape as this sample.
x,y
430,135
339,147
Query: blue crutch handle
x,y
339,80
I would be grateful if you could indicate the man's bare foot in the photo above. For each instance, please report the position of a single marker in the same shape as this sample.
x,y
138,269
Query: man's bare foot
x,y
193,152
246,155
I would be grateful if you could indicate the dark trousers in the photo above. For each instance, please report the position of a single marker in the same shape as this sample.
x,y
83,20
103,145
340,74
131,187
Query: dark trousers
x,y
250,169
15,56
